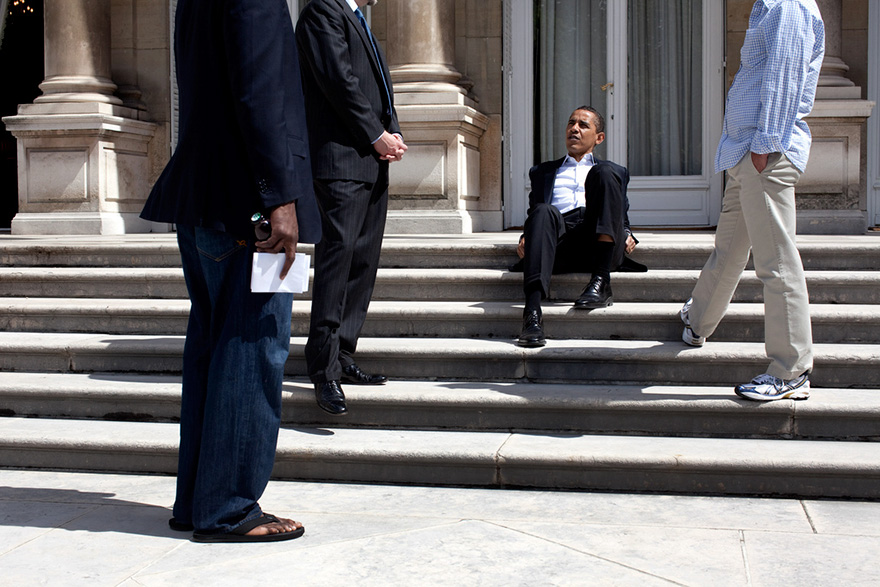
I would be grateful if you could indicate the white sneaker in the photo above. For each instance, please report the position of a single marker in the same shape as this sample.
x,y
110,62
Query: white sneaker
x,y
689,336
764,388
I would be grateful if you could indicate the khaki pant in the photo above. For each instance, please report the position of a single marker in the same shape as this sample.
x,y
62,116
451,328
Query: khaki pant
x,y
758,213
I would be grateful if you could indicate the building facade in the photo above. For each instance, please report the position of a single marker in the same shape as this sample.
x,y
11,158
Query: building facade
x,y
483,90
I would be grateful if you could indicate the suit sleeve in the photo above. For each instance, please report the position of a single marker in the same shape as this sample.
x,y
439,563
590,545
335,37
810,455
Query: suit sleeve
x,y
254,41
322,40
625,183
536,195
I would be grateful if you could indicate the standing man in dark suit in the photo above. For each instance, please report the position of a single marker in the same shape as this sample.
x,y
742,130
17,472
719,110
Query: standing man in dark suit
x,y
354,135
242,149
577,221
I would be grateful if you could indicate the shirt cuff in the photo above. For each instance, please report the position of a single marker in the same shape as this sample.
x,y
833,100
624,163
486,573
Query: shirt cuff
x,y
764,144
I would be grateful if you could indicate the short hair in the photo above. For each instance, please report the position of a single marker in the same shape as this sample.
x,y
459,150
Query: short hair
x,y
601,121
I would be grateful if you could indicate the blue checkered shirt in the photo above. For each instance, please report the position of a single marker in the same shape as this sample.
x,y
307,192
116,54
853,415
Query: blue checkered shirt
x,y
776,83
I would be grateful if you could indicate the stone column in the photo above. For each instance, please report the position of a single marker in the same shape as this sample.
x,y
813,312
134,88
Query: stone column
x,y
77,52
82,156
830,197
437,186
421,51
833,74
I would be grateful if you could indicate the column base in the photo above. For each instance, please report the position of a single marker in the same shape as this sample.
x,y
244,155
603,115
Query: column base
x,y
829,194
83,168
436,189
78,223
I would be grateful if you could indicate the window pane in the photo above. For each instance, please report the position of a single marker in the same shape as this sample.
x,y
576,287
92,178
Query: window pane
x,y
665,78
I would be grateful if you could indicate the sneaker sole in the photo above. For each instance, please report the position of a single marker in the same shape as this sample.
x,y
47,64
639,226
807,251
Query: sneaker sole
x,y
690,340
802,391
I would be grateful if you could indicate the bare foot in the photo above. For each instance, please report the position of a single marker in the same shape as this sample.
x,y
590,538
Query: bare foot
x,y
280,527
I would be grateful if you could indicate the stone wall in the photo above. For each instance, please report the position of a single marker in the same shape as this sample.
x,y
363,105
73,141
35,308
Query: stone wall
x,y
832,194
140,61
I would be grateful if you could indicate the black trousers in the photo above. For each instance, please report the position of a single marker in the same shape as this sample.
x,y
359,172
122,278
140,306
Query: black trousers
x,y
557,243
346,261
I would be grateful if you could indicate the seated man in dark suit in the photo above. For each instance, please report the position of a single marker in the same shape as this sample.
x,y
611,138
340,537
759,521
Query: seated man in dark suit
x,y
577,221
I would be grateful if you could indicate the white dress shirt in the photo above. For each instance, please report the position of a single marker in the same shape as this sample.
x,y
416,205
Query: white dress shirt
x,y
568,188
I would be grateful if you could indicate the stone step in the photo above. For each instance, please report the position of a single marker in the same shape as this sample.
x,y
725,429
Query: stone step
x,y
694,411
658,250
583,361
438,284
131,250
93,282
800,468
622,321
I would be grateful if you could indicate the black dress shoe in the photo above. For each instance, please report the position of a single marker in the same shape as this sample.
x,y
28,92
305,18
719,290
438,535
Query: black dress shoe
x,y
330,398
353,374
597,294
532,334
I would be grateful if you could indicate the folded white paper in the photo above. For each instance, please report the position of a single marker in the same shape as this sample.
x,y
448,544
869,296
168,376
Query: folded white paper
x,y
266,274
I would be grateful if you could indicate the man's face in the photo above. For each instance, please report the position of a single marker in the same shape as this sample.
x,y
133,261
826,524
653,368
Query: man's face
x,y
581,134
362,3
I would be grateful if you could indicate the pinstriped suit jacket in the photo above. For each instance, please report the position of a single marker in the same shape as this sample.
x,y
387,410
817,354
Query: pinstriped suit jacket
x,y
346,100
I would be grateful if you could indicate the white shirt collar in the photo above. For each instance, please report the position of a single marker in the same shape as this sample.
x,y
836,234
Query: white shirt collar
x,y
352,4
587,159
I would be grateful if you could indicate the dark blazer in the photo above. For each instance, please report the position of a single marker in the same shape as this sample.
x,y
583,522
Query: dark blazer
x,y
543,175
243,144
346,101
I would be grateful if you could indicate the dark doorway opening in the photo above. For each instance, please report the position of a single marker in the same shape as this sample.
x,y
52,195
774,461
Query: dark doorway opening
x,y
21,72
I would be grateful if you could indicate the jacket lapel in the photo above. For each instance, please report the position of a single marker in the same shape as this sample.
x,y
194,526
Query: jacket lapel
x,y
362,33
550,179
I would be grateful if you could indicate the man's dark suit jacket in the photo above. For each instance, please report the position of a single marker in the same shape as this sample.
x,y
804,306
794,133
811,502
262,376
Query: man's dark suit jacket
x,y
345,96
543,177
243,143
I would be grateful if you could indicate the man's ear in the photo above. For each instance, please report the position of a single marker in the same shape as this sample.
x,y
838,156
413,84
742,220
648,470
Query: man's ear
x,y
600,138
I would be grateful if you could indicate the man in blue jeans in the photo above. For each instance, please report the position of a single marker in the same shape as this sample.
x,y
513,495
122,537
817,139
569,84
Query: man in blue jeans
x,y
242,149
764,147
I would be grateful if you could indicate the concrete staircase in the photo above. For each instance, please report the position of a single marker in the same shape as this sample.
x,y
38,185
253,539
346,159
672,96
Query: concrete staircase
x,y
91,338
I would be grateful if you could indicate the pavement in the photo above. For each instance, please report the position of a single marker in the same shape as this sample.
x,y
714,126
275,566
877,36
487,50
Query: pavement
x,y
64,528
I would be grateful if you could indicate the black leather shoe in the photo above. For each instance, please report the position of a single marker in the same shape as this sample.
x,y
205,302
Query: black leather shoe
x,y
330,398
597,294
532,331
353,374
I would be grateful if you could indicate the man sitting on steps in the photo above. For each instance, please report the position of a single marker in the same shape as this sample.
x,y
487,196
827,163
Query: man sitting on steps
x,y
577,221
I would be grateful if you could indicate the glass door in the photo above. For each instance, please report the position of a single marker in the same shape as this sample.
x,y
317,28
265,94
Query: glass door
x,y
655,69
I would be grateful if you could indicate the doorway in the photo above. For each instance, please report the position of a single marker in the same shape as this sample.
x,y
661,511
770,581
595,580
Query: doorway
x,y
655,69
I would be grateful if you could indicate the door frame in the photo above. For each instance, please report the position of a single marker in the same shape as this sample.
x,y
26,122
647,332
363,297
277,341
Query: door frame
x,y
687,200
873,147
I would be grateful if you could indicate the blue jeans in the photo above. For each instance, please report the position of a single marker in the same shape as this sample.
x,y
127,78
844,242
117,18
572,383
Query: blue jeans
x,y
237,343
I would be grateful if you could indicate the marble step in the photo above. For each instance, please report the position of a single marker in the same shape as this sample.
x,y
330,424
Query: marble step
x,y
658,250
582,361
695,411
553,460
432,284
832,323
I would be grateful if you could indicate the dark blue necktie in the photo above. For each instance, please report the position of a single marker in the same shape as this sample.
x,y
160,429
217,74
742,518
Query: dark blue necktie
x,y
363,20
